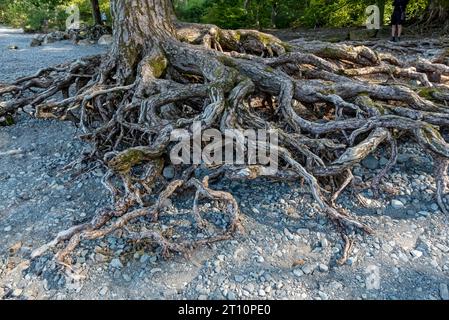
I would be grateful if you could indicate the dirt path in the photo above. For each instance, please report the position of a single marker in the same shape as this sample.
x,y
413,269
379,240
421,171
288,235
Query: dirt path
x,y
407,258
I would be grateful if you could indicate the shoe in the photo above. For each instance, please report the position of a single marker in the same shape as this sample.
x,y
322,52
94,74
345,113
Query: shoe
x,y
398,39
393,39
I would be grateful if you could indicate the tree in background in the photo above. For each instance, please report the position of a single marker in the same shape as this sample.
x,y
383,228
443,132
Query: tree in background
x,y
30,14
96,12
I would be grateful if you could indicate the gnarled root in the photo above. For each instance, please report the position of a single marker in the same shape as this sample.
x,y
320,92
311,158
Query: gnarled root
x,y
324,101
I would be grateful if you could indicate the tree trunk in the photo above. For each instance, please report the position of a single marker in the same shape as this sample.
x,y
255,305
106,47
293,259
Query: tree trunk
x,y
138,29
96,13
274,14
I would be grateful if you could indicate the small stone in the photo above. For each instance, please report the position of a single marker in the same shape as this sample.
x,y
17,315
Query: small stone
x,y
298,272
249,287
351,261
397,204
308,268
370,163
231,296
83,42
116,263
126,277
169,172
444,293
103,291
416,254
239,278
303,231
323,295
434,207
324,243
7,229
105,40
383,161
262,293
323,268
144,258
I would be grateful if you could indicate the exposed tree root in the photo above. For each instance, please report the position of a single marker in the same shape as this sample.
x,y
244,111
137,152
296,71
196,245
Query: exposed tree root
x,y
327,103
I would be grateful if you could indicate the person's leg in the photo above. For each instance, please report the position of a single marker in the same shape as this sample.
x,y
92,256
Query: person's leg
x,y
393,32
399,31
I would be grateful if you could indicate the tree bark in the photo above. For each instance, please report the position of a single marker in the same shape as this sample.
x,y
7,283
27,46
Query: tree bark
x,y
139,27
96,13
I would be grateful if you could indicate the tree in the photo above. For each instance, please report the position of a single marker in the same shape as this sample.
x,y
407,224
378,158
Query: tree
x,y
162,75
96,13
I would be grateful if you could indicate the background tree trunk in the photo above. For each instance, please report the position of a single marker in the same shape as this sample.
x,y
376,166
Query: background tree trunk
x,y
96,13
274,14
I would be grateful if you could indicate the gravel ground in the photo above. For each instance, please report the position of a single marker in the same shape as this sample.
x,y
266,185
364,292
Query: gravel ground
x,y
288,250
20,62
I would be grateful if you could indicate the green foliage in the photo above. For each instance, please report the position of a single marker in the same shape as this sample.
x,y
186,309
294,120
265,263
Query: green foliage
x,y
232,14
192,10
227,14
31,14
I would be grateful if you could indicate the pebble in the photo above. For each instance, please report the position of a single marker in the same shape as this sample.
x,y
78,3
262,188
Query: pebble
x,y
303,231
249,287
308,268
323,295
370,163
7,229
351,261
416,254
262,293
231,296
144,258
169,172
103,291
298,272
239,278
397,204
444,293
323,268
324,243
116,263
